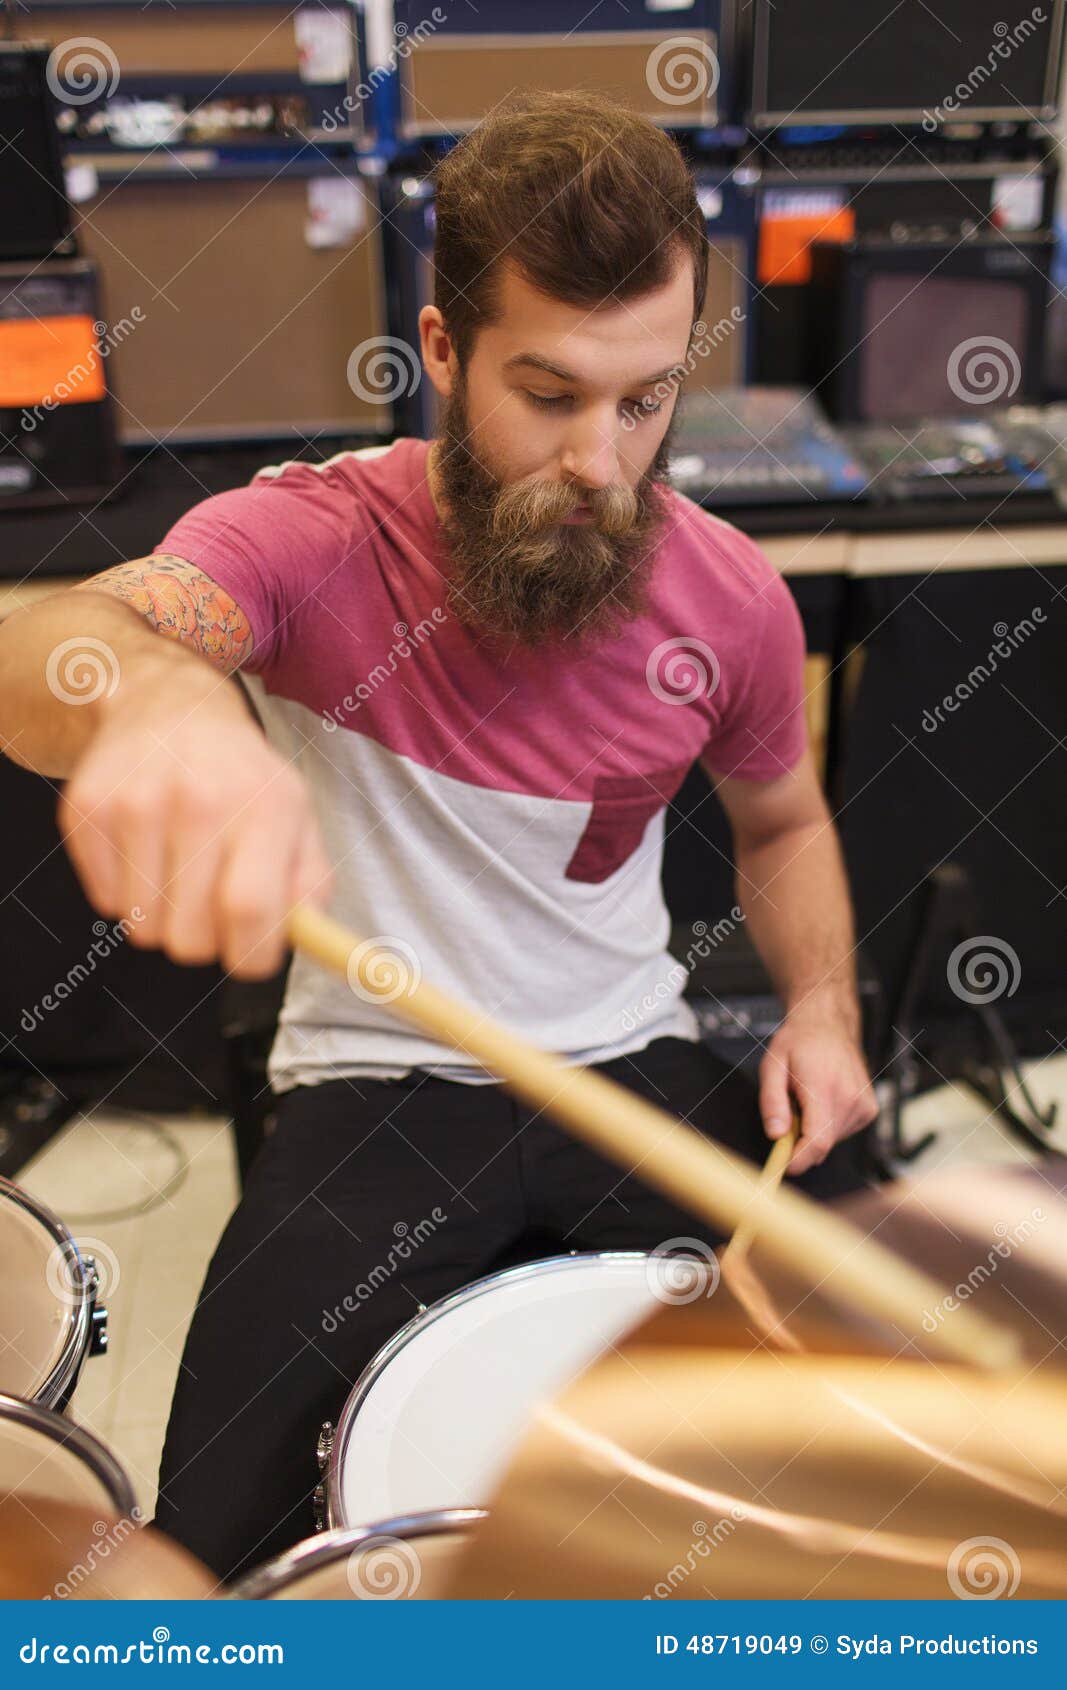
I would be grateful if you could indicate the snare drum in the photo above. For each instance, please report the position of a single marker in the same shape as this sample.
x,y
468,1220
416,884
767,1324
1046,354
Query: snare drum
x,y
49,1318
409,1559
434,1418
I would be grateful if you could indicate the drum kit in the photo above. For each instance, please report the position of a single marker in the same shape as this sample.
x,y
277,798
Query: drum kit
x,y
856,1400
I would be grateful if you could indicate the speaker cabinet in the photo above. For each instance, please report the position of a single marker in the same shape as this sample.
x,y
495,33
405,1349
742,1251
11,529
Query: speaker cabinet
x,y
666,63
57,429
905,332
248,327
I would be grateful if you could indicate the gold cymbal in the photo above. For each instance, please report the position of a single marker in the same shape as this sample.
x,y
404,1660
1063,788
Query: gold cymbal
x,y
991,1237
672,1469
764,1442
63,1550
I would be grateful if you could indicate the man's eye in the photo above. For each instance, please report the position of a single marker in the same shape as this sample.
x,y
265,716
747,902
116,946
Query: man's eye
x,y
548,404
643,409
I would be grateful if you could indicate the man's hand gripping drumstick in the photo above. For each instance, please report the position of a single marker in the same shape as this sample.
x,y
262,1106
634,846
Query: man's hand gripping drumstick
x,y
701,1176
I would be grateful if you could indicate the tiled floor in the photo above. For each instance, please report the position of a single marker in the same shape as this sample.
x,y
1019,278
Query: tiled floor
x,y
152,1264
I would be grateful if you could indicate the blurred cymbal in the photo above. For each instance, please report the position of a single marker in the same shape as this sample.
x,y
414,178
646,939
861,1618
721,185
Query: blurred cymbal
x,y
994,1236
683,1471
764,1443
63,1550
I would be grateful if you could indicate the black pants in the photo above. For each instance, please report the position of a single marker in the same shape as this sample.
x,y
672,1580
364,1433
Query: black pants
x,y
351,1168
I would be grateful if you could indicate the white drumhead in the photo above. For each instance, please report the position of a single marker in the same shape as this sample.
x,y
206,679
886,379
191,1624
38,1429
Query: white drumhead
x,y
385,1568
435,1419
38,1300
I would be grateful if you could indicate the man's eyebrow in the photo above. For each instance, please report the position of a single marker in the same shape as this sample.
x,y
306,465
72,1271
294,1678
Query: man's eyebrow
x,y
534,361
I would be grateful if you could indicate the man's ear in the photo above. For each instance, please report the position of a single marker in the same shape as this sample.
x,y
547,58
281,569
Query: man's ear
x,y
438,355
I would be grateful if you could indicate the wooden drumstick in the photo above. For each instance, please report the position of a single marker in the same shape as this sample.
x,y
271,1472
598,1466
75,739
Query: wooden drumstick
x,y
698,1175
770,1179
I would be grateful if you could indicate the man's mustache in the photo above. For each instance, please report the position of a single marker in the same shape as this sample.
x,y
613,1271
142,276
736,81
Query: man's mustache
x,y
526,507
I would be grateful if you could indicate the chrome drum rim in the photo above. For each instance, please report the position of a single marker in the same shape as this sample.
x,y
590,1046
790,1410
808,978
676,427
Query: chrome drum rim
x,y
101,1463
56,1387
319,1552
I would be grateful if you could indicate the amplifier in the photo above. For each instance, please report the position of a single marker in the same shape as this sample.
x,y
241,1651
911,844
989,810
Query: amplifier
x,y
728,201
259,300
937,193
204,49
57,432
928,330
209,37
34,214
670,62
836,61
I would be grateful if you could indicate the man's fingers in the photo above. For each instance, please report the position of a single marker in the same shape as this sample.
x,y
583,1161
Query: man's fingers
x,y
775,1106
313,875
252,902
93,852
817,1136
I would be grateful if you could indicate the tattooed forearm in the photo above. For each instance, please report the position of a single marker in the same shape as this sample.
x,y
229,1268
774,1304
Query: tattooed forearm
x,y
183,603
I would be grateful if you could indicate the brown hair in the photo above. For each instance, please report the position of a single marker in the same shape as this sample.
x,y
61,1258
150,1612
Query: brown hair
x,y
587,198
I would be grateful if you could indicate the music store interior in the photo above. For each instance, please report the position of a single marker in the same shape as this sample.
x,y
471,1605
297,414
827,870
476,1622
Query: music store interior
x,y
533,1013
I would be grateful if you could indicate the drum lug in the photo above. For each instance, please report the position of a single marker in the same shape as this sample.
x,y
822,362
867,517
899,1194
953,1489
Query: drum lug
x,y
325,1445
97,1311
98,1331
323,1450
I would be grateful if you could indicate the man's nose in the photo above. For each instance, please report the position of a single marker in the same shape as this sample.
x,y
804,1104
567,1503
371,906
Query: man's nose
x,y
590,457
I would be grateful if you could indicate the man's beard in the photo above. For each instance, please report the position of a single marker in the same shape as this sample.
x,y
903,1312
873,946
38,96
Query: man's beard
x,y
519,571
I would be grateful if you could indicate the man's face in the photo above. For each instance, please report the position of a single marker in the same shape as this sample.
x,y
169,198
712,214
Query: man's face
x,y
548,465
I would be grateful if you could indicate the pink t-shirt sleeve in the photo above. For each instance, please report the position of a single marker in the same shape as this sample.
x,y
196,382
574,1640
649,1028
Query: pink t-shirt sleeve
x,y
765,732
270,545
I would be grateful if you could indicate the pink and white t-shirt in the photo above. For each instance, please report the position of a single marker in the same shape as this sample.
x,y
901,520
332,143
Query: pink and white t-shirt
x,y
497,820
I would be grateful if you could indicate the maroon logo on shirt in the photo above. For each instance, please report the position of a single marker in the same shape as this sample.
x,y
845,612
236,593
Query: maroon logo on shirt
x,y
623,806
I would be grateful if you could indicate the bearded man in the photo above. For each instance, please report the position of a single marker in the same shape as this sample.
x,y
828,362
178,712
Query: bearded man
x,y
482,666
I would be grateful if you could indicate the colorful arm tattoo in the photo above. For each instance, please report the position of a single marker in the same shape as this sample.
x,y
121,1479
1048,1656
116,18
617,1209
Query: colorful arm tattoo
x,y
183,603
